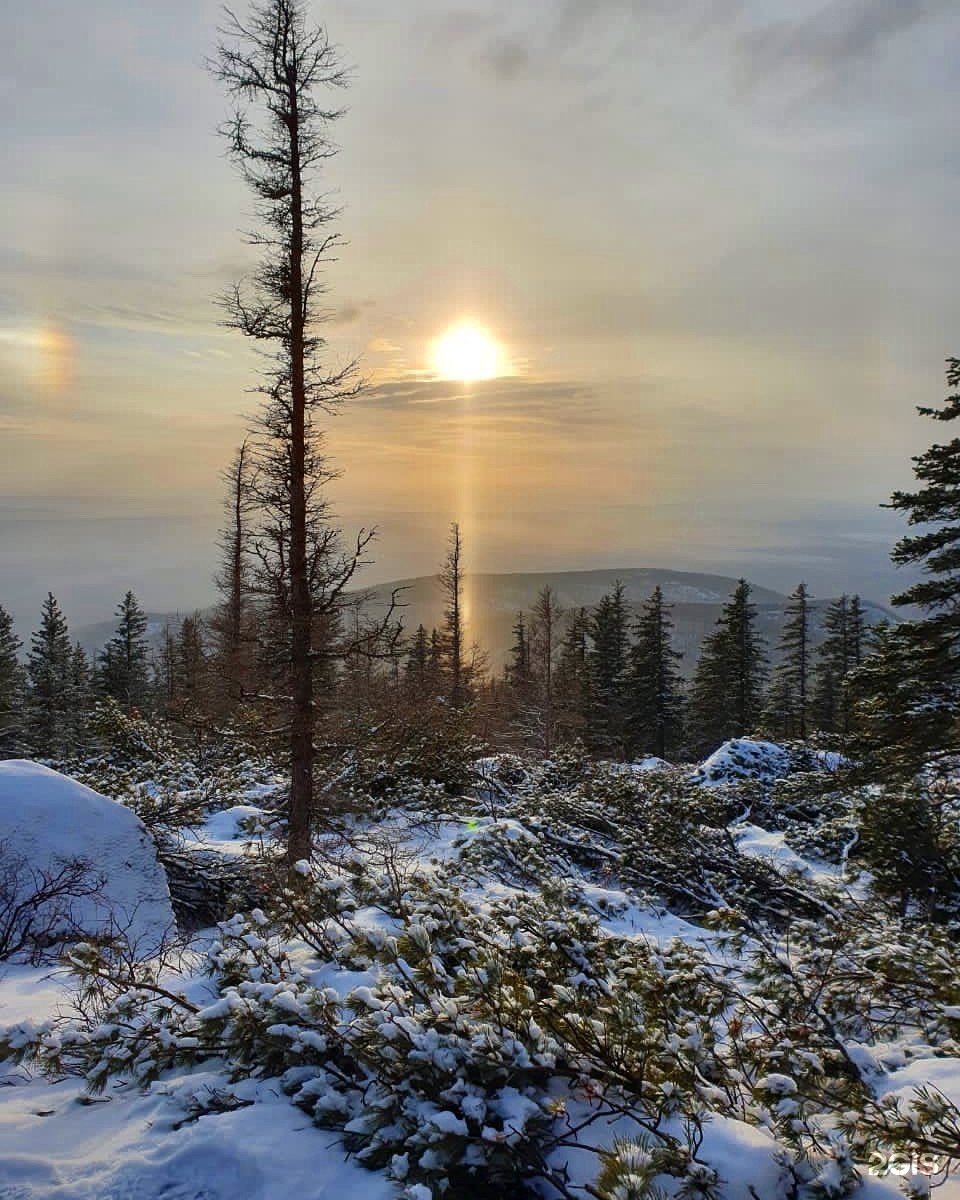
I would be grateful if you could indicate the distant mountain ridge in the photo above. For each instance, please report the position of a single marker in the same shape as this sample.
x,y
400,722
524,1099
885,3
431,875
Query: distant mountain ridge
x,y
493,601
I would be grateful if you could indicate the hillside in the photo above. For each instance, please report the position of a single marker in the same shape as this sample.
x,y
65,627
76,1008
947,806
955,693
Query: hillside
x,y
493,602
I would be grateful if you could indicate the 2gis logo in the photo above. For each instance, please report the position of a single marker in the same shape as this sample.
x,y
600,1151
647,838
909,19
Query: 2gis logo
x,y
905,1163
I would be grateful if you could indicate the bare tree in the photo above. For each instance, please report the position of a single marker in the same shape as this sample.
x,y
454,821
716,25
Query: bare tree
x,y
277,67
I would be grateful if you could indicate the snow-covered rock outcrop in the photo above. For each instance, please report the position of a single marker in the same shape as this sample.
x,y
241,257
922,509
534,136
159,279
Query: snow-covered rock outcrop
x,y
48,820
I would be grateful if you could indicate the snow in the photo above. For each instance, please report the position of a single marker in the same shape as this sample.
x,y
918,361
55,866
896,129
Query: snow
x,y
770,845
744,758
48,819
131,1145
32,993
127,1147
223,830
641,766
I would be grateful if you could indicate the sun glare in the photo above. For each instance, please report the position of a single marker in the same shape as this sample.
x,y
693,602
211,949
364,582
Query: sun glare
x,y
467,353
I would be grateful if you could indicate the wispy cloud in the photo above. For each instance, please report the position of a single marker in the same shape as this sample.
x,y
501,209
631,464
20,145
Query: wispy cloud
x,y
832,37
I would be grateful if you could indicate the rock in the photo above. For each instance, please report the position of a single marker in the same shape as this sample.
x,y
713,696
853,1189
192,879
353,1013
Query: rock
x,y
48,820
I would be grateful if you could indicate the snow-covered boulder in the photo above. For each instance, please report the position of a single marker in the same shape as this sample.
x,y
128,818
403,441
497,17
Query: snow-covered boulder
x,y
48,820
744,758
747,758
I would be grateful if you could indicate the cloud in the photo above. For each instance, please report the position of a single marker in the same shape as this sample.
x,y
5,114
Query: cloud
x,y
842,34
351,312
559,403
506,58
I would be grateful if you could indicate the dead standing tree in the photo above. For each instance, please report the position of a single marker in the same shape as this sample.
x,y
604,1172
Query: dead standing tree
x,y
277,68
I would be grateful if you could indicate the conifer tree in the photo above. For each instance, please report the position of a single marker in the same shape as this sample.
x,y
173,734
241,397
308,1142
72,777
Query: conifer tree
x,y
418,658
12,687
435,660
726,696
165,672
453,634
572,680
857,632
607,662
545,622
883,693
840,653
654,687
517,669
123,665
911,697
280,66
233,625
192,661
50,683
81,693
788,704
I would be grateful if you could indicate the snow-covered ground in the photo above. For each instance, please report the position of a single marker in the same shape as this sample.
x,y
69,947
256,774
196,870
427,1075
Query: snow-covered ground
x,y
58,1143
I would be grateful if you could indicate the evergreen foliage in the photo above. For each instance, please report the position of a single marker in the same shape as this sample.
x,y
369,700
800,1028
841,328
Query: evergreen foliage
x,y
925,703
453,634
607,662
726,695
839,654
787,710
518,672
654,685
50,701
572,680
123,665
13,680
418,658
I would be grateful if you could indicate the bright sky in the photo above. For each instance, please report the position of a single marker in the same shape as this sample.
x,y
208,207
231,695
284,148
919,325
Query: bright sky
x,y
716,244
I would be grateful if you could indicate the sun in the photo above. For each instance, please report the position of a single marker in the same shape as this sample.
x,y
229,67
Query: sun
x,y
466,352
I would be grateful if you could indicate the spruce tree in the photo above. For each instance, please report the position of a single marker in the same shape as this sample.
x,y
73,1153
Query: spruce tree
x,y
418,658
451,580
233,624
518,675
544,639
840,652
883,696
857,632
192,662
654,687
726,696
924,701
607,662
50,694
12,687
572,679
122,668
788,705
81,694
